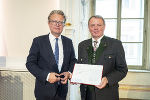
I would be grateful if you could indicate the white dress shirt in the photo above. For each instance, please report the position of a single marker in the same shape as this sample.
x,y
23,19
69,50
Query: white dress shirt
x,y
52,40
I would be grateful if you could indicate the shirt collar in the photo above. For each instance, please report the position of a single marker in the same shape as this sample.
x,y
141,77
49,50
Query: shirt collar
x,y
52,37
98,40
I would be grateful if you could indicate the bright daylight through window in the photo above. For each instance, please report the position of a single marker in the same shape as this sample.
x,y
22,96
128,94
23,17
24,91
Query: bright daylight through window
x,y
125,21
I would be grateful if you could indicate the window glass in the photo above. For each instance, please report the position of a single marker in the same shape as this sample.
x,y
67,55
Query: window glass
x,y
128,24
106,8
132,8
111,28
132,30
133,53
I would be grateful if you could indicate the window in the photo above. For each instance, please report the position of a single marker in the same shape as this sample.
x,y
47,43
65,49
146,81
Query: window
x,y
125,21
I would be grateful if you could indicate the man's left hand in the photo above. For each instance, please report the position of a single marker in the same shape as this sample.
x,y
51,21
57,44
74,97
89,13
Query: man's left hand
x,y
66,76
103,83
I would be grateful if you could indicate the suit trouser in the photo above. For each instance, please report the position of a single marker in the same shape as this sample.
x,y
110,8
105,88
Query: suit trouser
x,y
90,93
56,97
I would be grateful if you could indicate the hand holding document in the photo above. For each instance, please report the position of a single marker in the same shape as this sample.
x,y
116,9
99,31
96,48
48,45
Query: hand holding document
x,y
87,74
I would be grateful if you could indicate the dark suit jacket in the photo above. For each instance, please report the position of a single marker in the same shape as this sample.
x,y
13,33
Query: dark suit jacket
x,y
111,55
41,61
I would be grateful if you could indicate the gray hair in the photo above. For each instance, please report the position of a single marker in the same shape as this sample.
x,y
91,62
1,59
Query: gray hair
x,y
97,16
60,12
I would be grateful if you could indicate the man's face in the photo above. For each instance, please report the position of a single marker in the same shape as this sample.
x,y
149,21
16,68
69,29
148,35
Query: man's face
x,y
96,27
56,24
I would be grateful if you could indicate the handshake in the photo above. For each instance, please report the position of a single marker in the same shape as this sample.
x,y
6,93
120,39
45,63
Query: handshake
x,y
63,77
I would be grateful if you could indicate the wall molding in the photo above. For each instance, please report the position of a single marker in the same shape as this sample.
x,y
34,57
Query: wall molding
x,y
143,88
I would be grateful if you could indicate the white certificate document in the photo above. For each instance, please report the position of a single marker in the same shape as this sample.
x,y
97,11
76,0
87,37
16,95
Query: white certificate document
x,y
87,74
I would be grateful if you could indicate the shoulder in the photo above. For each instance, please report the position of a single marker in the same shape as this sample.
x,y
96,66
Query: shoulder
x,y
41,37
111,40
85,42
65,38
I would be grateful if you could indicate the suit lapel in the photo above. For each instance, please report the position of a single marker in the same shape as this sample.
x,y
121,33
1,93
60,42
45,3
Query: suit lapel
x,y
101,48
90,51
64,43
50,54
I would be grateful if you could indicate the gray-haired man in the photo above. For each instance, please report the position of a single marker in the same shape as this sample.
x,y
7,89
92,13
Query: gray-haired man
x,y
51,56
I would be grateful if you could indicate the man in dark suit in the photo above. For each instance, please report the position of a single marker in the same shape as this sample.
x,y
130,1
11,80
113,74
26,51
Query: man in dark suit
x,y
106,51
51,59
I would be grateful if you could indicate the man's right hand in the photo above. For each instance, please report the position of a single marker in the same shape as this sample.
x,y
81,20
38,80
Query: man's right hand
x,y
53,77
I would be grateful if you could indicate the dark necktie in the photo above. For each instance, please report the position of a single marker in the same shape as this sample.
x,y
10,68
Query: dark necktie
x,y
56,51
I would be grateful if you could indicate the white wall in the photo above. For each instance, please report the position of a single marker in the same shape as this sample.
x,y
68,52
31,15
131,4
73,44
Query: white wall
x,y
22,21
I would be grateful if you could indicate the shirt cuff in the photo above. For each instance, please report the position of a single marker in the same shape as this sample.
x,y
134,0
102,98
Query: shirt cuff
x,y
69,72
48,76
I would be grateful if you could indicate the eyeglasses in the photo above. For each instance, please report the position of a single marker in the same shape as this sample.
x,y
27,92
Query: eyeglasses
x,y
57,22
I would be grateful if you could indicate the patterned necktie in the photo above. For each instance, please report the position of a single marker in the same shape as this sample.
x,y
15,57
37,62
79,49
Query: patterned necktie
x,y
56,51
94,53
95,45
